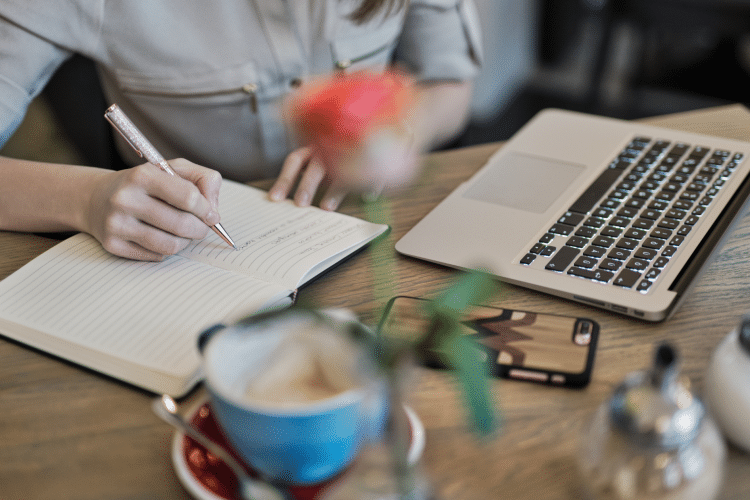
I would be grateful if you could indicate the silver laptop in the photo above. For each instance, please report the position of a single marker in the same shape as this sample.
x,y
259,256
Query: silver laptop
x,y
615,214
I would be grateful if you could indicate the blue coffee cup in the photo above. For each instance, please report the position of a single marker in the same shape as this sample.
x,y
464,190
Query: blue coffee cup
x,y
294,442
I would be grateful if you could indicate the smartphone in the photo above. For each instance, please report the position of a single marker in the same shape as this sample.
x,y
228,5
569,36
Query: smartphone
x,y
523,345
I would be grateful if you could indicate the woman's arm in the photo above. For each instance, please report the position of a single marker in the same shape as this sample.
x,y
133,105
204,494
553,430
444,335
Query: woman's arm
x,y
441,113
140,213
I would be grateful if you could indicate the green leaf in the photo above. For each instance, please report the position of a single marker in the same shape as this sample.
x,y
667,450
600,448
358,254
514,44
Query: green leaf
x,y
462,354
471,288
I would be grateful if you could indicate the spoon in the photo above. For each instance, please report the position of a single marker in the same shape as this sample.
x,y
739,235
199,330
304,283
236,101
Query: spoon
x,y
249,488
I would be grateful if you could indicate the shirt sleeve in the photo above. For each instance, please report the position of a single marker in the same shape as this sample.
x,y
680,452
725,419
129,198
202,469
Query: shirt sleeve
x,y
441,40
26,64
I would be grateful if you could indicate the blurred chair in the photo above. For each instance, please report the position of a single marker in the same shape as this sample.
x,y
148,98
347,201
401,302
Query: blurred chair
x,y
666,34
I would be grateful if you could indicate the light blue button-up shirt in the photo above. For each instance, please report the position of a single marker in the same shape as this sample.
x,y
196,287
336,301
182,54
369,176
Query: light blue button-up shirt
x,y
207,80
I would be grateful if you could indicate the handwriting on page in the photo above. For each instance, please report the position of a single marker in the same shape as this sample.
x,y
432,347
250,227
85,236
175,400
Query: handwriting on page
x,y
276,239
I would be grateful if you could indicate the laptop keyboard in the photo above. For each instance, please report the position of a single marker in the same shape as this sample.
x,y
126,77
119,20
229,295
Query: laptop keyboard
x,y
626,226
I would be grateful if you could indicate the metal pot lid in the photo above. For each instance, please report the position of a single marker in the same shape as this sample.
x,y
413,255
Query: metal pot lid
x,y
655,408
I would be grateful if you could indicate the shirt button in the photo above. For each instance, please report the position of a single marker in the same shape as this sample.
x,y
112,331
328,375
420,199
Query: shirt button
x,y
295,83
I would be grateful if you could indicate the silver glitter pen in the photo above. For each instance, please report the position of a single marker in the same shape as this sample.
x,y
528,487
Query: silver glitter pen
x,y
145,149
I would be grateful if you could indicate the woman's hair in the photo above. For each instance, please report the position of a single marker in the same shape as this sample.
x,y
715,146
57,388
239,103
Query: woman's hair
x,y
368,8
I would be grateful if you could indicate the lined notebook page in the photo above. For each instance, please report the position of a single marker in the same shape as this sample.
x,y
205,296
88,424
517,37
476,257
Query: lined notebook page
x,y
279,241
142,312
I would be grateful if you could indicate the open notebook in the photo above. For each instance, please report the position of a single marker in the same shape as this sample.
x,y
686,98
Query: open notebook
x,y
139,321
615,214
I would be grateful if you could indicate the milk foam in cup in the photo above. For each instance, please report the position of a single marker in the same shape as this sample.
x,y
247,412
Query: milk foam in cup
x,y
295,394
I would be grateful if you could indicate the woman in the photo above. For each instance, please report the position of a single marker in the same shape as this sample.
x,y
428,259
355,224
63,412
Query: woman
x,y
206,83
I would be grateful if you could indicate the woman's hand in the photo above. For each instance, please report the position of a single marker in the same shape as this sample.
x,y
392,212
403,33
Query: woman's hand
x,y
144,213
303,165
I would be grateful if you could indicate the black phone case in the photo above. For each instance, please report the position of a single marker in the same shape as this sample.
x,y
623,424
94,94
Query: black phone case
x,y
537,347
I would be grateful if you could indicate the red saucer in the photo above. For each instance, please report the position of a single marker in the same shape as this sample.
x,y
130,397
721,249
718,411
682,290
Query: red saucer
x,y
208,478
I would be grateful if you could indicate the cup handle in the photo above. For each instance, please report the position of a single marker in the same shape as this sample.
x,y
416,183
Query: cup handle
x,y
206,335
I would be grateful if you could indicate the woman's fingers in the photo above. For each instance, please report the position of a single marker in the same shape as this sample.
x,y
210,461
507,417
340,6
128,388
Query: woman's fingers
x,y
144,213
293,165
194,190
309,182
333,197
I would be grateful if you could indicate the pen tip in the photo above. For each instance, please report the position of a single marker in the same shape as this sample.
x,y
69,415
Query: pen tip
x,y
235,247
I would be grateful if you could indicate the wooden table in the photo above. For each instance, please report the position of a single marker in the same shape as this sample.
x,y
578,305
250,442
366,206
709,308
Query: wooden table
x,y
66,432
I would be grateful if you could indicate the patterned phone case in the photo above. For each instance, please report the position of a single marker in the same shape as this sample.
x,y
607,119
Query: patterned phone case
x,y
537,347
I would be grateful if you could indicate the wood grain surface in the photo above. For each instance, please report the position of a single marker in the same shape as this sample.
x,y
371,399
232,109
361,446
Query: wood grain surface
x,y
66,432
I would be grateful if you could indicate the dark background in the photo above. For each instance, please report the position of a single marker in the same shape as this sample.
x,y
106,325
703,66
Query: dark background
x,y
633,59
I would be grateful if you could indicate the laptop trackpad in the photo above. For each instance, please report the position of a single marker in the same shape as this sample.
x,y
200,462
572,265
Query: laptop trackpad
x,y
523,182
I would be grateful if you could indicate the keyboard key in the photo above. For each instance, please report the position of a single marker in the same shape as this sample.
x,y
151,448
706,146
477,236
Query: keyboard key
x,y
619,221
635,203
643,223
562,259
627,212
661,262
627,278
699,152
627,243
643,285
668,223
592,274
548,251
610,264
571,219
578,242
690,195
546,238
602,213
658,205
645,253
637,264
612,232
537,248
651,214
528,259
562,229
661,233
603,241
636,234
619,254
654,243
596,191
664,195
594,222
593,251
610,203
669,251
585,232
653,273
674,213
586,262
